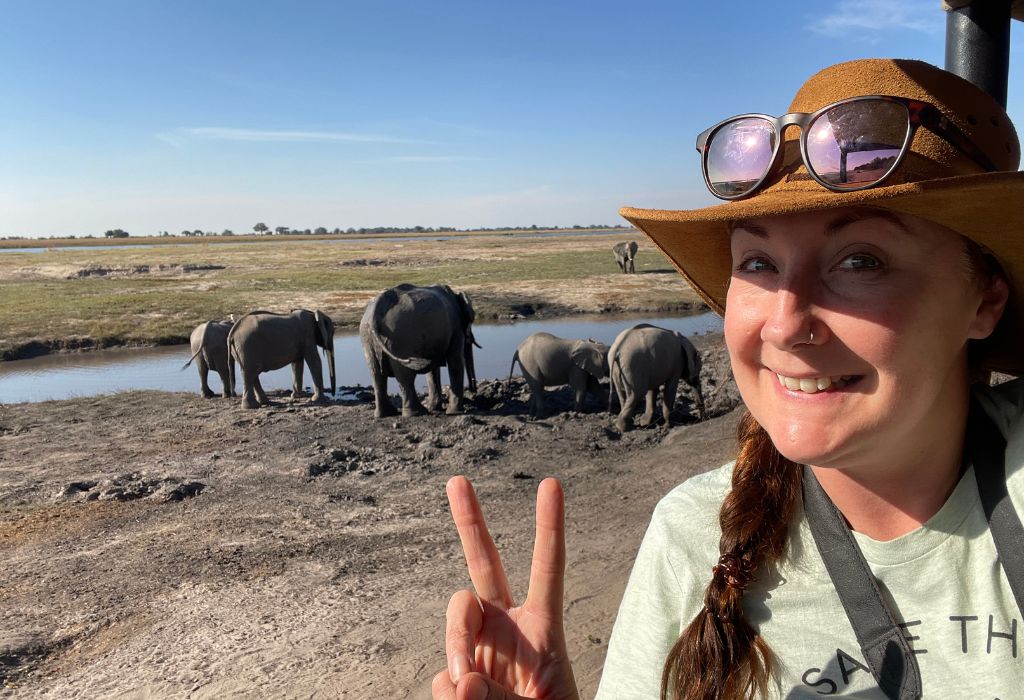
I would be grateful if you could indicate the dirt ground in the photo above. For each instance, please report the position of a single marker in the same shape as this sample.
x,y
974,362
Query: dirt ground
x,y
159,545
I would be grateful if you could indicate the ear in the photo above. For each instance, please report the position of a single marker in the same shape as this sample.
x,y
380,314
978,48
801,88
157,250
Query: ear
x,y
468,314
587,357
324,325
990,308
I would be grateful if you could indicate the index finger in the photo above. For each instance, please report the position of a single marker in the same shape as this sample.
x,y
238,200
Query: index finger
x,y
482,559
547,573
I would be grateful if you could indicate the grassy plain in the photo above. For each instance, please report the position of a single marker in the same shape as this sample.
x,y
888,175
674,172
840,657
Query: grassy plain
x,y
80,297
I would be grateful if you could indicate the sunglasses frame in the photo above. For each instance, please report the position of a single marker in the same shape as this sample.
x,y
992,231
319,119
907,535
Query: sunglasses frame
x,y
919,114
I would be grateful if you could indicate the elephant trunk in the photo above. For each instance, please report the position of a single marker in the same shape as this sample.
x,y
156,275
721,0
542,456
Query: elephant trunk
x,y
330,365
470,367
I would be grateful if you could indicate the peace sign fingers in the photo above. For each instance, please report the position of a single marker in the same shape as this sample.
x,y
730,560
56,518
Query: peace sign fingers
x,y
482,559
547,573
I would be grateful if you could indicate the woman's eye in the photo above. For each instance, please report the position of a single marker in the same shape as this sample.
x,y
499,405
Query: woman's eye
x,y
755,265
859,262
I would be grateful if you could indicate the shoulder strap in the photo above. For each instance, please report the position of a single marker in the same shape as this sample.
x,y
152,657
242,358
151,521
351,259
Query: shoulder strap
x,y
883,643
987,449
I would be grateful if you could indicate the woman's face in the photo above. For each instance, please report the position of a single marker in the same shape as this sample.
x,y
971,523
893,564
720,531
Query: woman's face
x,y
890,303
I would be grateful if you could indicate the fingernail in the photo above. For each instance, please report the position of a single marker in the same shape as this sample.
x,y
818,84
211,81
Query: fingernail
x,y
460,667
477,690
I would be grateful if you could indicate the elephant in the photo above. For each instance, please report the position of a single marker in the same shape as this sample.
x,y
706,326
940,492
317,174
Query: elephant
x,y
646,357
209,344
261,341
547,360
409,330
625,254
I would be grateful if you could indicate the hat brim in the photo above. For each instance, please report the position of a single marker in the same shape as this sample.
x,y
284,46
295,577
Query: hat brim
x,y
697,241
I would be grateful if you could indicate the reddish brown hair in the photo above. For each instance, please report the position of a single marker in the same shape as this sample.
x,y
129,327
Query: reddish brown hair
x,y
719,655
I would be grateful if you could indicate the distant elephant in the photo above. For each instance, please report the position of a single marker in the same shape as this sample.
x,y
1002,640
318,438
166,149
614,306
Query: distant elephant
x,y
409,330
646,357
261,341
209,343
625,254
547,360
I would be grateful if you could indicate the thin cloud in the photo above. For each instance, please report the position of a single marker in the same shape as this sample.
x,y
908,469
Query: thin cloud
x,y
852,18
212,133
420,159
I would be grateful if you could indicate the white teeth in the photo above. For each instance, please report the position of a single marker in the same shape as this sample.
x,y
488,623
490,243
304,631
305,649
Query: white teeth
x,y
813,386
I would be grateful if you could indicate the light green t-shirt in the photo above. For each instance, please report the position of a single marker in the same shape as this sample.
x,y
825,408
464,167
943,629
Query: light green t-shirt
x,y
942,581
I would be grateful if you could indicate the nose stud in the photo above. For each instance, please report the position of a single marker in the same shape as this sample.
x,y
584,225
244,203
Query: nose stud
x,y
809,340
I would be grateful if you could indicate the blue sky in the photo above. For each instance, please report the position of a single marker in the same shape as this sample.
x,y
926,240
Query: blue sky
x,y
151,116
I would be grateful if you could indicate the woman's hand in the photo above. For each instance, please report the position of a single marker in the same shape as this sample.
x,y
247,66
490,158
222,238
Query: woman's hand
x,y
497,651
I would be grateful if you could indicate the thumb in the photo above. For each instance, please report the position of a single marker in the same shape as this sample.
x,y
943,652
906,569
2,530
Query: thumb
x,y
477,686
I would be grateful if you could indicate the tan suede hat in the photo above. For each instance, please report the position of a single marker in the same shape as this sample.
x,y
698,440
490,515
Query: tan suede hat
x,y
935,181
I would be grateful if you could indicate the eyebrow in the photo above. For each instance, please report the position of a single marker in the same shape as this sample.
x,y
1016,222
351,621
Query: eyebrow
x,y
833,227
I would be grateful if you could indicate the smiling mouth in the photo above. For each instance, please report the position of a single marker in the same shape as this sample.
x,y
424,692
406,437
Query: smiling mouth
x,y
814,385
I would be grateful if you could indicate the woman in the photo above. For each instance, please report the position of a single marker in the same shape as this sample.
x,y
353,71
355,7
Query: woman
x,y
866,273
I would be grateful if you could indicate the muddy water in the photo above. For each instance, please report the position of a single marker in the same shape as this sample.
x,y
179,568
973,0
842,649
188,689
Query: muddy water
x,y
91,373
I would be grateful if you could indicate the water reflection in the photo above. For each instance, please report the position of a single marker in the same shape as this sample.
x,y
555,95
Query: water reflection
x,y
91,373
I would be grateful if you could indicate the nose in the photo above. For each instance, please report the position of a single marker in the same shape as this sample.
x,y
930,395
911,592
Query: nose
x,y
792,322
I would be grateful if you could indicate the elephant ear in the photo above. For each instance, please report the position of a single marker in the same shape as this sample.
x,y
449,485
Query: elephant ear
x,y
323,325
466,307
590,358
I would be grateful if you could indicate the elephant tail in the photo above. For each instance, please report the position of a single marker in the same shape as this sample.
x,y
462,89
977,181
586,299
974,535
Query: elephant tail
x,y
613,364
231,357
202,345
194,356
508,384
418,364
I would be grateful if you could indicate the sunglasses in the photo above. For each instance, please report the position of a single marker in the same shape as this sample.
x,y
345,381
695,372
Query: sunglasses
x,y
846,146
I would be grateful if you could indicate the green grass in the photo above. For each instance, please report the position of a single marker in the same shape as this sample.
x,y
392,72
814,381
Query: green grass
x,y
274,274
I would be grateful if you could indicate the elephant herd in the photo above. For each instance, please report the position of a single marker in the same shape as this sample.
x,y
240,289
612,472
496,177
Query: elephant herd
x,y
641,361
409,330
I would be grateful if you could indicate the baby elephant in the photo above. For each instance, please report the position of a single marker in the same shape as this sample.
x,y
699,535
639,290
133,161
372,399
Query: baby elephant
x,y
209,342
547,360
625,254
644,358
262,341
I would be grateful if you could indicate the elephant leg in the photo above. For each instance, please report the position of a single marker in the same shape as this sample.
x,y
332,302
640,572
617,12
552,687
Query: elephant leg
x,y
225,379
628,400
538,409
668,398
382,403
648,417
411,405
316,372
204,371
434,390
249,384
580,393
456,377
261,395
297,379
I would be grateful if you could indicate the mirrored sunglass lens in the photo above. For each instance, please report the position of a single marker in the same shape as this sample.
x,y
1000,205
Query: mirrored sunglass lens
x,y
739,155
857,143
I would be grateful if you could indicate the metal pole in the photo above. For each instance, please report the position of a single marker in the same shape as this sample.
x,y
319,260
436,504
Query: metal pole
x,y
978,44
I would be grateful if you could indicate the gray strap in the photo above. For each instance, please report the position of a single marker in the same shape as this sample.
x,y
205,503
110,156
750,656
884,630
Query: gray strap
x,y
883,643
987,449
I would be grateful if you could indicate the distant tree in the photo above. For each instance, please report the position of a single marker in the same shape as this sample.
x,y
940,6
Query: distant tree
x,y
227,232
320,231
260,228
281,230
116,233
350,230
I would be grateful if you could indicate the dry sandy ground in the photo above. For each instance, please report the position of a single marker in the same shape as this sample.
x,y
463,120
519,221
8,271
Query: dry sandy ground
x,y
158,545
